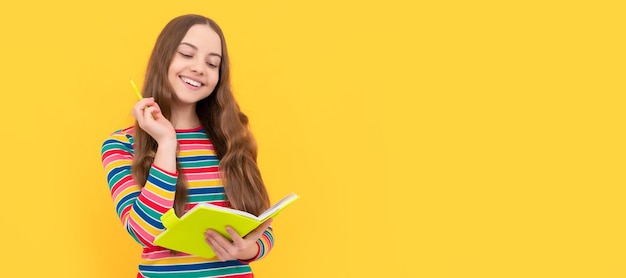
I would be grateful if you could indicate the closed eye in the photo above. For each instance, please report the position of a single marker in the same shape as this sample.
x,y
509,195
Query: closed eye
x,y
185,55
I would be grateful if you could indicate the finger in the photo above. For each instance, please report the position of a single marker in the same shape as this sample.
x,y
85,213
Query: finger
x,y
218,246
156,112
149,112
222,241
237,239
218,252
143,103
229,248
138,108
256,233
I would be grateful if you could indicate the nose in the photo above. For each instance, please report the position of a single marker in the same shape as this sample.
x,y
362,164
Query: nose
x,y
197,66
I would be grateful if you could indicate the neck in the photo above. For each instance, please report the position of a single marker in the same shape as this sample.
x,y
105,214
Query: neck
x,y
184,117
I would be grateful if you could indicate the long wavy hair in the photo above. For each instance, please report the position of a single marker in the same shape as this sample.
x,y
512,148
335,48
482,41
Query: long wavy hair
x,y
220,116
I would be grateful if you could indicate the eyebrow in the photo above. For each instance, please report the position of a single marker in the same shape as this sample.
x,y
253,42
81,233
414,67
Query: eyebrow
x,y
196,48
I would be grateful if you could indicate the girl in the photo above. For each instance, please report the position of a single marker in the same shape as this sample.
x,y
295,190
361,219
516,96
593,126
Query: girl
x,y
190,144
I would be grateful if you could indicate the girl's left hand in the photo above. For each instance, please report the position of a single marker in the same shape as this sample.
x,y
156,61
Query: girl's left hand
x,y
240,248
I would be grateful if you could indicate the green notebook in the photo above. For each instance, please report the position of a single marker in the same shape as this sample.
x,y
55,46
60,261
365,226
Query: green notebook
x,y
186,234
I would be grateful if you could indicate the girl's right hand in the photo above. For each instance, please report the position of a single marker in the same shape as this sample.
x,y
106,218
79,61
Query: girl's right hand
x,y
151,120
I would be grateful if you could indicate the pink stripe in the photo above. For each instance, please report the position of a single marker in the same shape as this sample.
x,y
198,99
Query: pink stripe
x,y
113,158
195,147
125,215
155,255
160,200
265,240
140,231
203,176
130,130
123,187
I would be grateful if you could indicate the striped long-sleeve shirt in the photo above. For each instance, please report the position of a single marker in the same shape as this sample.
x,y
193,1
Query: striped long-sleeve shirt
x,y
140,208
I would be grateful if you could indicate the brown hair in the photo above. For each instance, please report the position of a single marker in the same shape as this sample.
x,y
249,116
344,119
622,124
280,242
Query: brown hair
x,y
220,116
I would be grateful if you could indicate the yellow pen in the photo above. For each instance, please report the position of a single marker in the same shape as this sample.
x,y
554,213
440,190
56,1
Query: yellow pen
x,y
132,83
136,90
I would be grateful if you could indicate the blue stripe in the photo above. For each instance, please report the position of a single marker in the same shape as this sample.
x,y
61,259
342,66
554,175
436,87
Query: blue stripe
x,y
107,144
121,206
116,171
147,218
206,190
181,267
124,200
127,145
269,236
110,141
261,249
161,184
197,158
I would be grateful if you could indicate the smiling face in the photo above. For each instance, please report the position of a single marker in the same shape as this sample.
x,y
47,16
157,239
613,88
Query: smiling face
x,y
194,69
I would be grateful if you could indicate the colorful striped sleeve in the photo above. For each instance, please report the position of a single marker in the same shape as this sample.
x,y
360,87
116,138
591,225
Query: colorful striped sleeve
x,y
264,245
139,209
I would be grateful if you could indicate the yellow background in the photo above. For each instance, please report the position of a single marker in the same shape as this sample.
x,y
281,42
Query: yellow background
x,y
433,139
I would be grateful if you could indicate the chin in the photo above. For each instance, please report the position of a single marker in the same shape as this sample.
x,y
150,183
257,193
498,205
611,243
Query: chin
x,y
189,100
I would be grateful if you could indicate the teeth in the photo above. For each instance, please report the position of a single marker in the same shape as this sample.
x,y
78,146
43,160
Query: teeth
x,y
191,82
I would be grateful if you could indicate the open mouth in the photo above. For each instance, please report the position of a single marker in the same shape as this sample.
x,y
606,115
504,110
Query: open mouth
x,y
191,82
